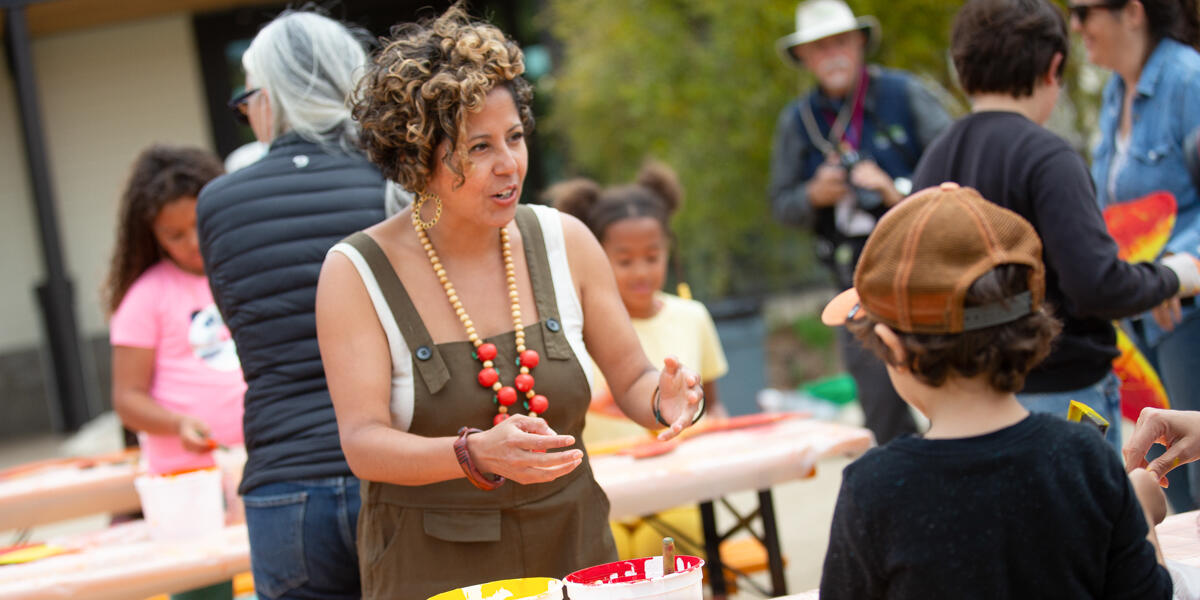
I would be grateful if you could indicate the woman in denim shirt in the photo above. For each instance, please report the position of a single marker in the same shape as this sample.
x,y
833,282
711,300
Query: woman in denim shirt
x,y
1150,105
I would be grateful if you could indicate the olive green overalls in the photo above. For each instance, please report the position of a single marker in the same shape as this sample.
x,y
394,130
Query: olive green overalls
x,y
417,541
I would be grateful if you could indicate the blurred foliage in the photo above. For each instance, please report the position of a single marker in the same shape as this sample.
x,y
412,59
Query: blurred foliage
x,y
698,85
814,333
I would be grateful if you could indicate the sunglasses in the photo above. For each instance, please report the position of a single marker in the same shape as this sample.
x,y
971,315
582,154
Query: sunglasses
x,y
238,105
1081,11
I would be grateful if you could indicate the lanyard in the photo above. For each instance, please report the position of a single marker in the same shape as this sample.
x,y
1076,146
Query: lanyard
x,y
847,125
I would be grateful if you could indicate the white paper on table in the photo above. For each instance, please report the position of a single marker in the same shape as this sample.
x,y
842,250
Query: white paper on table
x,y
1186,579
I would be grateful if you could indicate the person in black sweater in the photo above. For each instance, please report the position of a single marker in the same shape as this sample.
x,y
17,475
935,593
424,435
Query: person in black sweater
x,y
1009,55
992,502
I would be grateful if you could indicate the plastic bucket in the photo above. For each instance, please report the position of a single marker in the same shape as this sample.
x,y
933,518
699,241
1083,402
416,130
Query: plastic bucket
x,y
232,461
529,588
639,578
182,507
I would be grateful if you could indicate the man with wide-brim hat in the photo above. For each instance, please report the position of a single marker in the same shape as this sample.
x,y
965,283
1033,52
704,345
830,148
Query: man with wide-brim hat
x,y
842,156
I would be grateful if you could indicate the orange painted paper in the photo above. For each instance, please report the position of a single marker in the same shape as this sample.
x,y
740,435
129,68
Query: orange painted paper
x,y
1141,229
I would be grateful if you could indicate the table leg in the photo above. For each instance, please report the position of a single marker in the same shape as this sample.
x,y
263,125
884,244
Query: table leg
x,y
712,548
771,540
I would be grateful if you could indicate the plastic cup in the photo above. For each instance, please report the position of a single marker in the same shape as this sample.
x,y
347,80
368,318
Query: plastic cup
x,y
529,588
232,461
182,507
640,578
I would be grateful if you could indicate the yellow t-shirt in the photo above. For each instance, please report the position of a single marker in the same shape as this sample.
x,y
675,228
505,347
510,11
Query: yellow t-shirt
x,y
682,328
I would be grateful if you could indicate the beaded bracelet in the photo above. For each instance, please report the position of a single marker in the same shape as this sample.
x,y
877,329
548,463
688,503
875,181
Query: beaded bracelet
x,y
464,460
658,413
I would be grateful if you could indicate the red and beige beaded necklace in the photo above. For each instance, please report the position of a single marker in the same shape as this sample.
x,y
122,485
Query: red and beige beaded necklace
x,y
485,352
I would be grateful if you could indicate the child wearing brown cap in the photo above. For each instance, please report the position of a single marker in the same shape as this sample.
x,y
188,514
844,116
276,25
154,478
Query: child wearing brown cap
x,y
992,502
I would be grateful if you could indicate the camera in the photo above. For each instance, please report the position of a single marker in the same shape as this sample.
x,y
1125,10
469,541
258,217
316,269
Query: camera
x,y
868,200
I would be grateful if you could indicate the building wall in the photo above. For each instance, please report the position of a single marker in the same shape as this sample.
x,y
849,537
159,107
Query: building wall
x,y
105,94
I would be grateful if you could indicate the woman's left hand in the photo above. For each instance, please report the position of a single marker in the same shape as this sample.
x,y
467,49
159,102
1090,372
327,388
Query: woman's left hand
x,y
679,393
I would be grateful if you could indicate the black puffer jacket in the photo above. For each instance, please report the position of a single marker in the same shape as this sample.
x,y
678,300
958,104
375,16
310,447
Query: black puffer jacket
x,y
264,232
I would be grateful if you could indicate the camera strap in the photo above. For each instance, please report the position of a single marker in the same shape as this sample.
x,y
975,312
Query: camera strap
x,y
829,145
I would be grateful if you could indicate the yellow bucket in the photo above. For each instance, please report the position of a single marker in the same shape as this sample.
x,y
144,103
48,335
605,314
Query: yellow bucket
x,y
529,588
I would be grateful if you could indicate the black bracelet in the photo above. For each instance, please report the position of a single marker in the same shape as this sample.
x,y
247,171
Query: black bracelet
x,y
658,413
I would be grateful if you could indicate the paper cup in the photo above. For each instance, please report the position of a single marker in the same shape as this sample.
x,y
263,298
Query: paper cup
x,y
640,578
529,588
182,507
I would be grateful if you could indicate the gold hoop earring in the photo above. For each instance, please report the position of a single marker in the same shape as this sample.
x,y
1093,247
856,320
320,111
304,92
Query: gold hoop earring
x,y
419,204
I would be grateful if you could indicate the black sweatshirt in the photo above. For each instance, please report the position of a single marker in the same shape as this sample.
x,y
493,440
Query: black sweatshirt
x,y
1021,166
1040,509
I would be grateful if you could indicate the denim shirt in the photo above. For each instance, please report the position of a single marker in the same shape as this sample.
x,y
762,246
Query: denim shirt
x,y
1166,109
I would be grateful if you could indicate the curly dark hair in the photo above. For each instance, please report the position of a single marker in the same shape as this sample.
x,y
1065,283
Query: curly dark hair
x,y
160,175
655,193
1003,353
418,91
1003,46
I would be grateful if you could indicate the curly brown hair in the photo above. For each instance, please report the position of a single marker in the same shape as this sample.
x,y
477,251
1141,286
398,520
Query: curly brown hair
x,y
655,193
160,175
1004,354
420,87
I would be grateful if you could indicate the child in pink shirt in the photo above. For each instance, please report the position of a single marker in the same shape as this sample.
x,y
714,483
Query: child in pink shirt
x,y
176,376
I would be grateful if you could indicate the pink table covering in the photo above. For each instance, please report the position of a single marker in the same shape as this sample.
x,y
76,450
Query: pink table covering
x,y
702,468
713,465
1179,537
123,563
57,494
130,566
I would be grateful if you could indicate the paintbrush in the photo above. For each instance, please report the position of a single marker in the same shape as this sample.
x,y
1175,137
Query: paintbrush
x,y
668,555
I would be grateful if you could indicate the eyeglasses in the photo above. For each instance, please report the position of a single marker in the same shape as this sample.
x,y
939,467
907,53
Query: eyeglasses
x,y
238,105
1081,11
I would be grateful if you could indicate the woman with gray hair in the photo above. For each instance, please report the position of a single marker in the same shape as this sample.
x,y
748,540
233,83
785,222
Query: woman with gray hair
x,y
264,231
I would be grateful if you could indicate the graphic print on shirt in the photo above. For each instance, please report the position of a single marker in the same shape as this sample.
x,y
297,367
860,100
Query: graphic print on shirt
x,y
210,340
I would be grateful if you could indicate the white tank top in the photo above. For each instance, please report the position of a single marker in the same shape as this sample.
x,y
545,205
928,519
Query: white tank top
x,y
570,313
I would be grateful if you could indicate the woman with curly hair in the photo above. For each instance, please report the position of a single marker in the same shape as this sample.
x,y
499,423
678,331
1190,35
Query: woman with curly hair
x,y
458,336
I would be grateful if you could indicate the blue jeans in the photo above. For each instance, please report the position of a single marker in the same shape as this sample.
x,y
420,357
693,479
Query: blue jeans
x,y
302,538
1103,397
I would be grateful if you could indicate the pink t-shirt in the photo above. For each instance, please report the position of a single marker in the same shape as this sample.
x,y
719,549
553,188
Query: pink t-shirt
x,y
196,369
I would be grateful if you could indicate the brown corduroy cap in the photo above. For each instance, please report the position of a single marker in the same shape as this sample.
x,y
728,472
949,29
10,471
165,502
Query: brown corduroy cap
x,y
927,251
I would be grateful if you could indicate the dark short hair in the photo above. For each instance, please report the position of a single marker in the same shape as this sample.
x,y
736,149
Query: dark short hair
x,y
1004,46
1004,354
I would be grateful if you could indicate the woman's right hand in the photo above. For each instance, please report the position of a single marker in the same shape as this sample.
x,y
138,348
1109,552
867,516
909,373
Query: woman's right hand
x,y
516,449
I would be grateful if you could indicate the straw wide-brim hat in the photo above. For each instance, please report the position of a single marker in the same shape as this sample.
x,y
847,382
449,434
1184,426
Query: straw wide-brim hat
x,y
818,19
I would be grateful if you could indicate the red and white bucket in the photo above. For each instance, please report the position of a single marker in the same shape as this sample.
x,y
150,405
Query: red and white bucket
x,y
637,579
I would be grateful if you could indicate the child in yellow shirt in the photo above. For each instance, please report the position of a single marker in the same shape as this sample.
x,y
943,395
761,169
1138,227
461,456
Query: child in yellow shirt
x,y
632,222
